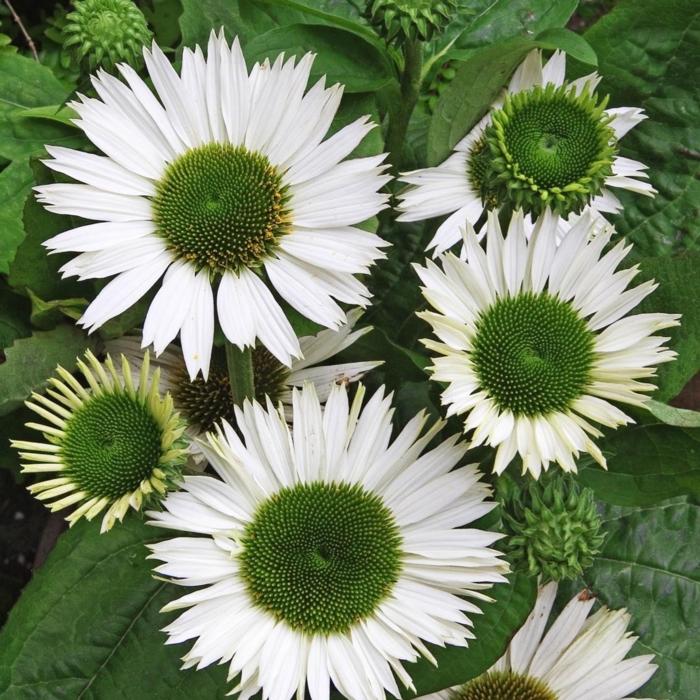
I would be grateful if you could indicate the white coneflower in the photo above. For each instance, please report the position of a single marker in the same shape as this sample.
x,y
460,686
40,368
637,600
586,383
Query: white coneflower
x,y
113,444
204,403
534,341
579,658
221,175
545,143
328,553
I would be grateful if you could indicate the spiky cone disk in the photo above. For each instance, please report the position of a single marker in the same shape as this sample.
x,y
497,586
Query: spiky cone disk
x,y
534,341
112,445
105,32
545,143
401,20
553,527
326,552
578,657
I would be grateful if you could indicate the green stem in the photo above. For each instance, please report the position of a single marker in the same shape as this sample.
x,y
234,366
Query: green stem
x,y
240,373
410,91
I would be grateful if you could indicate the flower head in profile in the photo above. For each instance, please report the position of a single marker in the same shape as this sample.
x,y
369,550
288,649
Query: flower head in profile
x,y
545,143
578,658
327,545
109,446
221,178
205,403
534,341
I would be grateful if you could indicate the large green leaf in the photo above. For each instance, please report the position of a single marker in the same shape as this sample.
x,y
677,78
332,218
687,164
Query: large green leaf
x,y
29,362
13,317
678,292
493,631
341,55
504,19
15,182
648,56
24,84
248,19
87,626
646,464
649,565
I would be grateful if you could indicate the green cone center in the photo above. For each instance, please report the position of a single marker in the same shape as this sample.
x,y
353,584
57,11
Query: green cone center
x,y
206,403
532,353
548,146
221,207
321,557
111,444
504,685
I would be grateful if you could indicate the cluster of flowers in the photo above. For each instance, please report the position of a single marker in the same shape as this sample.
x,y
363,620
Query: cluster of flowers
x,y
320,540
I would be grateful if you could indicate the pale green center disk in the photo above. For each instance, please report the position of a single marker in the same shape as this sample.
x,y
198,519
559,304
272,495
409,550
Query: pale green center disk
x,y
321,557
532,354
207,403
221,207
504,685
111,444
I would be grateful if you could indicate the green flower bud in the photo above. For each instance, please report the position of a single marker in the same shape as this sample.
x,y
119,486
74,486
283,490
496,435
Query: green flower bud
x,y
399,20
106,32
554,529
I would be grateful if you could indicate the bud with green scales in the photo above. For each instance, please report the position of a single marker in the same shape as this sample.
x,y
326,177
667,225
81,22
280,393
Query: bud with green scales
x,y
106,32
401,20
553,526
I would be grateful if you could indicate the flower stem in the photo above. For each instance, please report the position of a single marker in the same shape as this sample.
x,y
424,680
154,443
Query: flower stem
x,y
240,373
410,91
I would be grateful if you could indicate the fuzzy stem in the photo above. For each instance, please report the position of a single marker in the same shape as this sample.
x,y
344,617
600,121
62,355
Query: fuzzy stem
x,y
410,91
240,373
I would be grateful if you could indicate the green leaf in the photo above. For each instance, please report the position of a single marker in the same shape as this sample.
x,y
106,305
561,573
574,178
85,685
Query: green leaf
x,y
648,56
29,362
649,565
505,19
54,113
87,626
470,94
46,314
670,415
341,56
493,631
678,292
248,19
15,182
573,44
26,84
13,317
33,268
646,464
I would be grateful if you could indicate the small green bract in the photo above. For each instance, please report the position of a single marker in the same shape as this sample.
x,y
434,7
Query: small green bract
x,y
321,557
532,353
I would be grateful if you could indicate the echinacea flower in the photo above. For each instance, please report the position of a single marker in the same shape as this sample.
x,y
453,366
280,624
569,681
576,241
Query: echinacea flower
x,y
545,143
326,552
114,444
204,403
535,341
221,179
579,657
